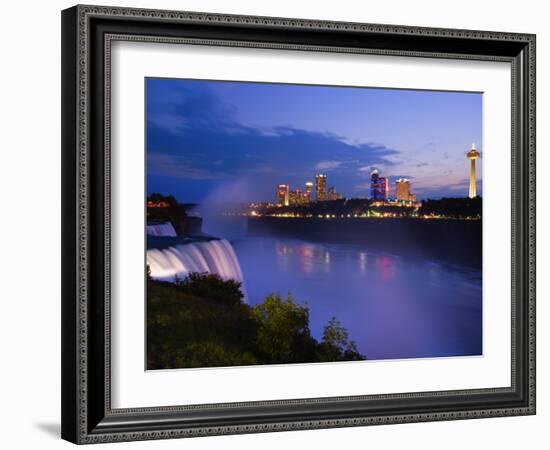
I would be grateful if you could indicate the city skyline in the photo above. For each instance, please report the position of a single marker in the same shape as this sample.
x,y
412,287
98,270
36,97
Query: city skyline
x,y
380,189
210,138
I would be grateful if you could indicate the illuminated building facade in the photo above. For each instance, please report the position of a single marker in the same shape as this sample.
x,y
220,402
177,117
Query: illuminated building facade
x,y
378,186
160,204
472,155
298,197
294,196
283,195
321,187
309,191
333,195
403,191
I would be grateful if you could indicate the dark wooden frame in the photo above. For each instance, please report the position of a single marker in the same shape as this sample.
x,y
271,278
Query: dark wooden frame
x,y
87,32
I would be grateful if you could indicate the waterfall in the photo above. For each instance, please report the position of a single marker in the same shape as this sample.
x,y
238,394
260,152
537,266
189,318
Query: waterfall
x,y
212,256
161,229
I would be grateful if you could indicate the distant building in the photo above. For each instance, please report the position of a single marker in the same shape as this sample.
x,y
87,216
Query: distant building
x,y
297,197
305,197
333,195
159,204
293,197
378,186
283,195
403,191
309,191
321,187
472,155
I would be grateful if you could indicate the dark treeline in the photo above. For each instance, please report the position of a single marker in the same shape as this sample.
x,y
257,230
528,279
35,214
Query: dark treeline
x,y
157,198
165,208
457,208
202,321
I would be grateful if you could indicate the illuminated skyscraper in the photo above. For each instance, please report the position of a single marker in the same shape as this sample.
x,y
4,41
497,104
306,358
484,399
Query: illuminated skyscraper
x,y
472,155
403,190
321,187
282,195
378,186
297,197
309,191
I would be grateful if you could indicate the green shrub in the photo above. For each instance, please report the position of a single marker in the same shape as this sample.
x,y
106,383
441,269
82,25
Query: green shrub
x,y
283,330
201,321
212,287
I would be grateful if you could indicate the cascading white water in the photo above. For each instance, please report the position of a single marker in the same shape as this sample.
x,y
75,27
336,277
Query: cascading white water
x,y
161,229
211,256
214,256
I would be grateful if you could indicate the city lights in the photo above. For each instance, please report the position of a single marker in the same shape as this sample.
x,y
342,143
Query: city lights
x,y
318,201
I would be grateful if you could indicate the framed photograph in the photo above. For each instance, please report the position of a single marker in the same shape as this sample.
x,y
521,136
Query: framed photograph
x,y
279,224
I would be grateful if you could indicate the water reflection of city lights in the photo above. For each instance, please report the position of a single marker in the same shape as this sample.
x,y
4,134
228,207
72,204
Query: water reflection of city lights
x,y
306,258
283,249
362,261
306,251
386,267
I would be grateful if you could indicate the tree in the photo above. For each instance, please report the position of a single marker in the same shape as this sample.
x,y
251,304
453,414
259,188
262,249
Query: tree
x,y
170,200
458,208
283,330
336,346
190,330
212,286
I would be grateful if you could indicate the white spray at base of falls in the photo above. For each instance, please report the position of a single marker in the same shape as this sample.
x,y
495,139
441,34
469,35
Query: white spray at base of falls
x,y
214,256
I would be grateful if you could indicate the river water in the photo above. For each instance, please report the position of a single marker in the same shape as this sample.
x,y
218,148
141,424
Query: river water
x,y
394,305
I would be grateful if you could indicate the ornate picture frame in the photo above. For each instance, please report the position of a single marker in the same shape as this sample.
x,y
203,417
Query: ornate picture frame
x,y
88,33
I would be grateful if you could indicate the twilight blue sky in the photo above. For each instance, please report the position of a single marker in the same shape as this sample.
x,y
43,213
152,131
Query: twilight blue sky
x,y
240,140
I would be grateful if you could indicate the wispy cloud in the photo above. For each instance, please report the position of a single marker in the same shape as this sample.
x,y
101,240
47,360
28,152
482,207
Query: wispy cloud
x,y
366,169
172,166
328,165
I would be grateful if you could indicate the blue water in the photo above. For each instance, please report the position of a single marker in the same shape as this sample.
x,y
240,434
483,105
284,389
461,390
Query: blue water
x,y
393,306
